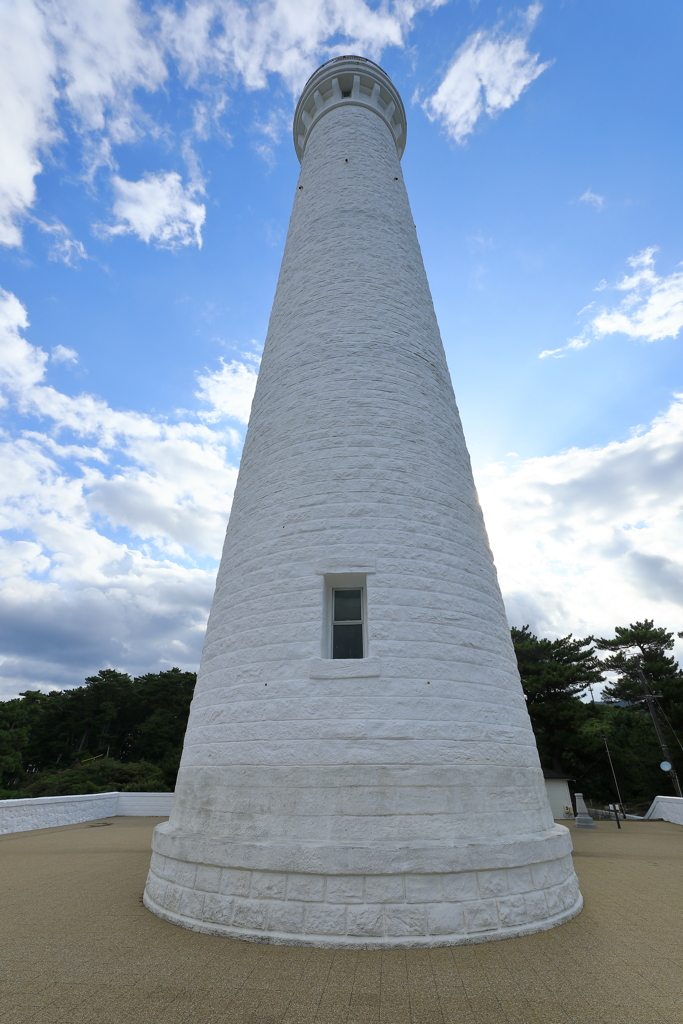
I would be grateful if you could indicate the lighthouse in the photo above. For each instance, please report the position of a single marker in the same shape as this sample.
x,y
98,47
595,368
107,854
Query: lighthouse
x,y
359,769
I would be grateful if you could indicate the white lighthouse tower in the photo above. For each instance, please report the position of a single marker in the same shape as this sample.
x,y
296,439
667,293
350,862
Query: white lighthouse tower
x,y
359,769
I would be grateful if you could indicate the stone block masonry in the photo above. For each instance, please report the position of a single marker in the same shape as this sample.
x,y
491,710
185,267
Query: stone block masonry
x,y
365,911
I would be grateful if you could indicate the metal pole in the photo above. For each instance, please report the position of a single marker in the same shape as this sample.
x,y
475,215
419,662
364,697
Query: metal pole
x,y
650,700
616,785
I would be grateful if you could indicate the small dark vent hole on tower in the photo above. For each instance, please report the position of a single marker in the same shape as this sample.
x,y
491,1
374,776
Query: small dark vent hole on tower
x,y
346,93
346,159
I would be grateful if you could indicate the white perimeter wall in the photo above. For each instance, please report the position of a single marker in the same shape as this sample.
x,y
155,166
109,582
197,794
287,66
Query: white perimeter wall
x,y
48,811
668,807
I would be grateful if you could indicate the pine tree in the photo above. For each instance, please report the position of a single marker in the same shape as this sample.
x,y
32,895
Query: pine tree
x,y
554,673
644,645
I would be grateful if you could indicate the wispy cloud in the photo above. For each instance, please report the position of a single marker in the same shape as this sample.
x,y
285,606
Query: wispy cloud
x,y
652,307
592,199
488,74
64,247
271,130
158,208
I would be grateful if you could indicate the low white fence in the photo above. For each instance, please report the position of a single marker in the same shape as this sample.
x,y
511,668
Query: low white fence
x,y
48,811
668,807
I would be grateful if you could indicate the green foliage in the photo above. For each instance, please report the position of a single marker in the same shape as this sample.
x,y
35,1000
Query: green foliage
x,y
104,775
554,673
113,717
569,732
635,755
13,739
644,645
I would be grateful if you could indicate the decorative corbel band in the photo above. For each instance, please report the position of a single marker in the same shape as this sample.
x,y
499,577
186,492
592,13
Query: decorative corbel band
x,y
349,80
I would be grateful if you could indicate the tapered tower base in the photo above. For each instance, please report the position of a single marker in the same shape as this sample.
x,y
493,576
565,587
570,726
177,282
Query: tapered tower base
x,y
507,888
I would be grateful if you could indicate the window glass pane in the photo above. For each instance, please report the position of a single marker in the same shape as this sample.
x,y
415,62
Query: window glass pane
x,y
347,641
347,606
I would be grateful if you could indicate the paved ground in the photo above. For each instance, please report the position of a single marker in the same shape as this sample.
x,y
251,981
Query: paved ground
x,y
78,947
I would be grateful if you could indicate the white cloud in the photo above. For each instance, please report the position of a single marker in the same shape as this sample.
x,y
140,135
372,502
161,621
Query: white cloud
x,y
62,354
159,209
249,41
488,74
593,199
229,390
21,558
93,57
111,537
652,308
21,364
591,538
105,52
27,118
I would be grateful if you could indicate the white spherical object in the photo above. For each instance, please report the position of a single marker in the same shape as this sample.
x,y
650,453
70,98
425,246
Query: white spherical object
x,y
393,796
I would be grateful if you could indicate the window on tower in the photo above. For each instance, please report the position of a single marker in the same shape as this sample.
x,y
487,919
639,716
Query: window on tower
x,y
347,623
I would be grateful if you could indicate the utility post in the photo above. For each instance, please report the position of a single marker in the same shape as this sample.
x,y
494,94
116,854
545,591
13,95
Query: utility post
x,y
651,698
616,786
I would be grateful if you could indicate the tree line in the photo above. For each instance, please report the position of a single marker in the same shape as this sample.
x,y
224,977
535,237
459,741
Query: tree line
x,y
571,732
122,733
113,733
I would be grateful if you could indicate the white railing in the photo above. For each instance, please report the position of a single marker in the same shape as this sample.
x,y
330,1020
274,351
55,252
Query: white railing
x,y
47,811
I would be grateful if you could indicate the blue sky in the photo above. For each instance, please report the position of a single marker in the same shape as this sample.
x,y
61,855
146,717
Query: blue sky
x,y
145,190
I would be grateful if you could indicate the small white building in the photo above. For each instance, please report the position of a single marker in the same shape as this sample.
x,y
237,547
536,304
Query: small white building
x,y
559,797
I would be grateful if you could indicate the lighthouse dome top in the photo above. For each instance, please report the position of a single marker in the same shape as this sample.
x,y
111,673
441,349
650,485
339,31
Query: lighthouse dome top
x,y
349,80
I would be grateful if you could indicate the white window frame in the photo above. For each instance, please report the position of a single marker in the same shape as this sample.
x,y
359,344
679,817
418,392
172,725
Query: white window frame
x,y
343,581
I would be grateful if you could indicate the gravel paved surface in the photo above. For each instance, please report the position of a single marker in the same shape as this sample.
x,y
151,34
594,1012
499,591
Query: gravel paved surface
x,y
78,947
